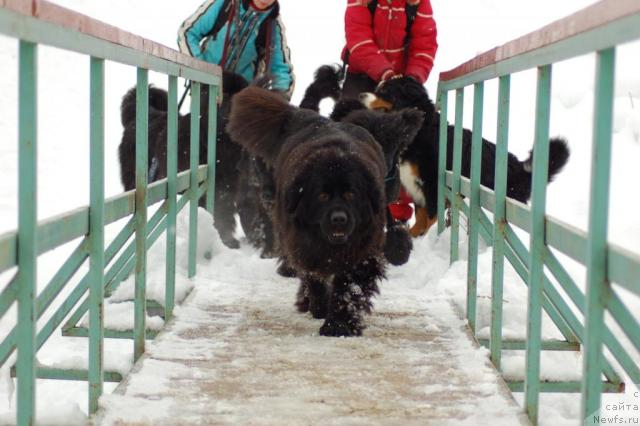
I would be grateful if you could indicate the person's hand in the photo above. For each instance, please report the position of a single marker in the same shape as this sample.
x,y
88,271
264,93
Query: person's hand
x,y
386,76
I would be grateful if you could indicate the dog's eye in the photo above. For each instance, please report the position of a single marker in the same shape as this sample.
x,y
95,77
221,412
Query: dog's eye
x,y
348,195
324,197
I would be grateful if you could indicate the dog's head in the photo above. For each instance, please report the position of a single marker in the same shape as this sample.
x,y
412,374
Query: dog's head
x,y
329,178
334,197
397,94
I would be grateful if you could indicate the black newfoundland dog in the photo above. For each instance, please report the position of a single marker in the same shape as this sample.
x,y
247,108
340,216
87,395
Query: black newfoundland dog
x,y
329,208
228,154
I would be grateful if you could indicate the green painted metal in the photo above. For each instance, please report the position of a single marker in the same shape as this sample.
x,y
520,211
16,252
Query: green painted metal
x,y
584,32
547,345
443,100
456,166
69,226
109,333
497,270
211,147
27,230
623,266
193,162
54,26
51,373
537,243
9,295
625,320
567,314
46,297
96,236
474,204
614,33
555,306
142,164
566,387
172,171
125,264
69,38
598,288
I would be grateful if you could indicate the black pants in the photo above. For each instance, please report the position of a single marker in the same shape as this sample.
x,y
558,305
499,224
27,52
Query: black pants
x,y
354,84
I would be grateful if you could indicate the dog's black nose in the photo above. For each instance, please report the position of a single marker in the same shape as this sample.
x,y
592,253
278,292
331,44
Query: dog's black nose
x,y
362,96
338,217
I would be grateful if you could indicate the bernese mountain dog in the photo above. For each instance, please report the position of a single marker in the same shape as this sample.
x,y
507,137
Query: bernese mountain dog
x,y
419,162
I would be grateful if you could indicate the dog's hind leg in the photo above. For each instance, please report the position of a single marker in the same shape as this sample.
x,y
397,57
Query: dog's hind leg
x,y
223,211
351,297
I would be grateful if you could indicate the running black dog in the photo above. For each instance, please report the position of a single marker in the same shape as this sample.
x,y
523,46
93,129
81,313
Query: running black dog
x,y
329,209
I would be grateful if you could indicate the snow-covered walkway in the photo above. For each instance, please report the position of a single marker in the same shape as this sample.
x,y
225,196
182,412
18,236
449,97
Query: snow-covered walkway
x,y
239,353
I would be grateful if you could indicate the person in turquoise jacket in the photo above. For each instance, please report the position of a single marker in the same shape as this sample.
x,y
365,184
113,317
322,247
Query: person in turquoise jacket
x,y
242,36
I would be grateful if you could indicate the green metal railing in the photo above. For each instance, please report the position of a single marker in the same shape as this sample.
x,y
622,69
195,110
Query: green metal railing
x,y
38,22
598,28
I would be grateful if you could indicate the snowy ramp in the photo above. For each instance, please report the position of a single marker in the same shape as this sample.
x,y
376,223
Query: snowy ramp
x,y
238,353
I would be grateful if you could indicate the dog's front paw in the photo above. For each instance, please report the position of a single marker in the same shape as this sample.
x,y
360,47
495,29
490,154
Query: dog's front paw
x,y
231,242
286,271
333,328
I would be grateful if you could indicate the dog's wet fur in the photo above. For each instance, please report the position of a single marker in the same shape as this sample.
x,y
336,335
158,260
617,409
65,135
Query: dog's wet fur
x,y
329,212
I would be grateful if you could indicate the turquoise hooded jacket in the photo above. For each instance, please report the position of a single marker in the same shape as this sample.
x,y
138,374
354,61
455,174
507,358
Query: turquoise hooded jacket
x,y
195,39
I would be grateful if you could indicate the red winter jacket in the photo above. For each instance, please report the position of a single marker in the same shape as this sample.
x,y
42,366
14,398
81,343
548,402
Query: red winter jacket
x,y
376,46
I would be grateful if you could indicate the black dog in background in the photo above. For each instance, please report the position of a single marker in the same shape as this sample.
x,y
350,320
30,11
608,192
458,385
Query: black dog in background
x,y
228,154
329,209
419,163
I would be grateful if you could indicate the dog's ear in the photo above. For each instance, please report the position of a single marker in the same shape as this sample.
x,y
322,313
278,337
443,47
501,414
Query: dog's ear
x,y
413,119
258,120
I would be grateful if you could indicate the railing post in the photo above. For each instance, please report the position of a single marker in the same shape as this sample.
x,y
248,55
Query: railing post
x,y
537,243
27,226
142,165
172,170
455,182
474,204
96,235
193,166
211,146
499,220
598,288
443,98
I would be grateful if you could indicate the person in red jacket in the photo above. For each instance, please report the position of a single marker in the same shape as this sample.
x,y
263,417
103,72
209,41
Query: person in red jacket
x,y
387,39
379,47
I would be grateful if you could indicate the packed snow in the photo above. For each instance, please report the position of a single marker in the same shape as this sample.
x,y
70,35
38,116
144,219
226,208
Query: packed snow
x,y
315,35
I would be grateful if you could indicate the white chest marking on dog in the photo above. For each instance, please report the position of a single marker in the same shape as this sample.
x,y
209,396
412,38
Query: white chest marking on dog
x,y
412,184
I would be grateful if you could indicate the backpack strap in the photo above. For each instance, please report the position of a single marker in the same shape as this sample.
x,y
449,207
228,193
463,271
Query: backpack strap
x,y
227,15
223,18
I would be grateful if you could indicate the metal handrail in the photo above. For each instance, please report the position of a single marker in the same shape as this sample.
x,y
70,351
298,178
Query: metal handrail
x,y
39,22
597,29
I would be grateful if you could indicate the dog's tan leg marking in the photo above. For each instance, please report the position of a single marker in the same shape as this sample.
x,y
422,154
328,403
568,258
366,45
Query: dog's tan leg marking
x,y
422,222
